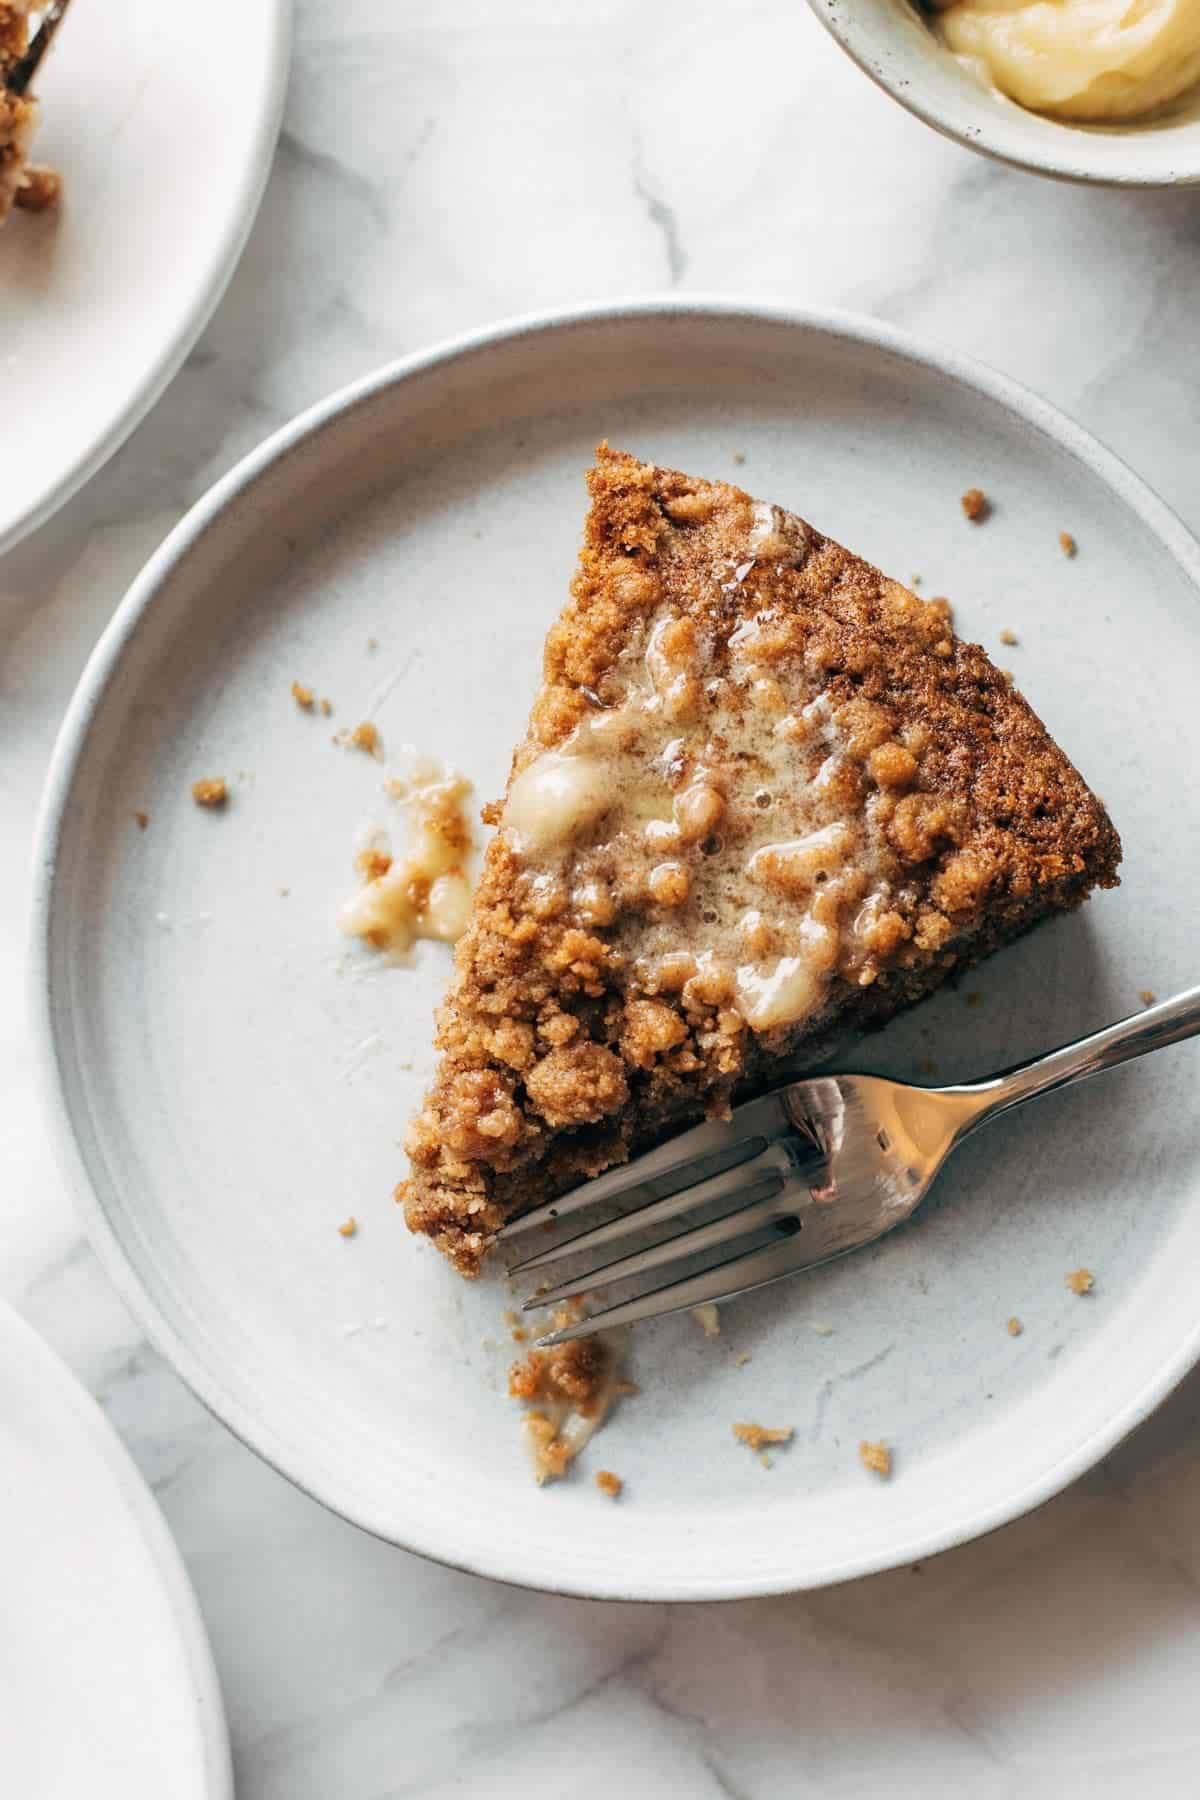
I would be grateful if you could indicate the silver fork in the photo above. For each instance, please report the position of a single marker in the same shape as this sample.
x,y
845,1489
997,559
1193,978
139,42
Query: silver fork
x,y
813,1170
21,73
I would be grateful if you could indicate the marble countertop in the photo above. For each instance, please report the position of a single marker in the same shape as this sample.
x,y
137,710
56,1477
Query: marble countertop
x,y
444,163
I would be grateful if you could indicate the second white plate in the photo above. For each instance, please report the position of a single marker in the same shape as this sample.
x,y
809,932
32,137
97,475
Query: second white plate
x,y
162,122
107,1681
229,1083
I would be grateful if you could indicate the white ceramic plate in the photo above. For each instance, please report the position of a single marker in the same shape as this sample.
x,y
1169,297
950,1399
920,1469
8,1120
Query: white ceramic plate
x,y
105,1670
229,1082
162,120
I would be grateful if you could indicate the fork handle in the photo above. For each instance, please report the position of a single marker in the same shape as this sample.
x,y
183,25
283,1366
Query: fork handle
x,y
1167,1023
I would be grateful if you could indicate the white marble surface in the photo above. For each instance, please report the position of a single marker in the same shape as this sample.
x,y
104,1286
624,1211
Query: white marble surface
x,y
445,162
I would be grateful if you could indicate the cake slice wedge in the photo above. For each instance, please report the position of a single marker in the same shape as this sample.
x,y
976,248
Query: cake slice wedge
x,y
765,795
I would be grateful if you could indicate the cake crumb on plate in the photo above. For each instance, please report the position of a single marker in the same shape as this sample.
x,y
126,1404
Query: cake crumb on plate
x,y
1147,996
348,1228
212,792
876,1457
608,1483
1014,1327
1081,1281
1067,544
976,505
303,696
143,819
708,1319
1009,637
757,1437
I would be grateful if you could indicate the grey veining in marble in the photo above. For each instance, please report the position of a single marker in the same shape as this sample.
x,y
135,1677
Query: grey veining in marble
x,y
445,162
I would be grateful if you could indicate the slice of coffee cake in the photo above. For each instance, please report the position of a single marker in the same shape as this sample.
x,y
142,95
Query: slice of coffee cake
x,y
766,793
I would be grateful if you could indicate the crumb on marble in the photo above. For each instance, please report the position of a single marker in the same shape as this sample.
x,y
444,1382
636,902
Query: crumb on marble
x,y
876,1457
1147,996
1067,544
1014,1327
976,505
708,1319
348,1228
326,708
372,643
1009,637
143,819
739,457
212,791
608,1483
740,1361
1081,1281
303,696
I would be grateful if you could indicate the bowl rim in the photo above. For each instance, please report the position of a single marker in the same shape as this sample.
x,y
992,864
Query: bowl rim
x,y
1016,141
103,667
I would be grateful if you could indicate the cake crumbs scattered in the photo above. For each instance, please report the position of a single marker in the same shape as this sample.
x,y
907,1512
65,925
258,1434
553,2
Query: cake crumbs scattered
x,y
372,643
1009,637
303,696
914,581
608,1483
211,792
1014,1327
1067,544
143,819
327,708
876,1457
349,1228
1147,996
1081,1281
739,457
365,737
708,1319
757,1437
821,1329
740,1361
976,505
569,1390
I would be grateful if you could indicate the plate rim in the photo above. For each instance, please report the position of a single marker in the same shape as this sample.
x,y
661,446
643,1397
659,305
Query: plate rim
x,y
252,1427
163,369
164,1553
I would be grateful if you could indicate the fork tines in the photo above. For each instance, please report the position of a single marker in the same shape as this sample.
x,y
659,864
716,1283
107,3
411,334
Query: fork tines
x,y
20,73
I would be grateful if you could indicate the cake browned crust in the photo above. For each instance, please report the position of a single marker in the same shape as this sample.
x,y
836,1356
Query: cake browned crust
x,y
606,992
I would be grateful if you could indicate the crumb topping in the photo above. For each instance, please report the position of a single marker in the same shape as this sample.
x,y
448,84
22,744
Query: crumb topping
x,y
765,794
876,1457
757,1437
212,792
569,1391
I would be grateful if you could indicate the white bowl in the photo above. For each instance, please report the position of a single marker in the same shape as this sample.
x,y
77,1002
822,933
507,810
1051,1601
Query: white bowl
x,y
892,42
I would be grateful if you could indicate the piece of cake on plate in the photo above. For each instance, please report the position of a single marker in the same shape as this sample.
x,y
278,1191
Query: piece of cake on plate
x,y
766,794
